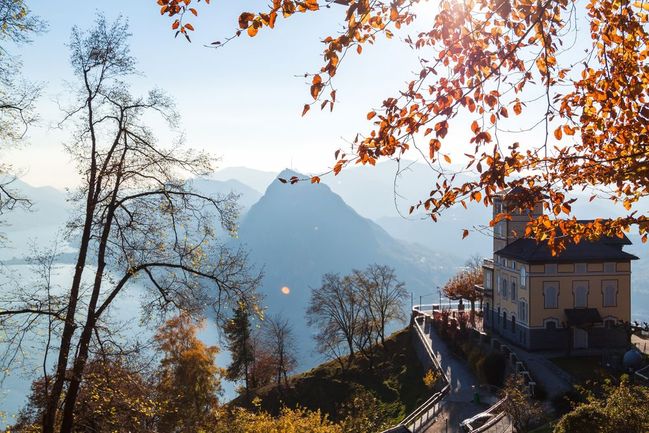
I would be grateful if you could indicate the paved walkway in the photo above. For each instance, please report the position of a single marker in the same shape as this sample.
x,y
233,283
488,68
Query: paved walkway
x,y
458,404
554,380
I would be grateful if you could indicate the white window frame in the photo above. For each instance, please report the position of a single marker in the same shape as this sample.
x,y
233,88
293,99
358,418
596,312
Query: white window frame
x,y
580,288
606,286
547,285
557,324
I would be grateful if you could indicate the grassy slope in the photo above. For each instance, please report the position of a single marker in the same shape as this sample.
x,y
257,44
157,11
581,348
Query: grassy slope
x,y
395,380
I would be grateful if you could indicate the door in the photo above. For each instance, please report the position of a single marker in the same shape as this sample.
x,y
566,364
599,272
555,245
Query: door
x,y
580,338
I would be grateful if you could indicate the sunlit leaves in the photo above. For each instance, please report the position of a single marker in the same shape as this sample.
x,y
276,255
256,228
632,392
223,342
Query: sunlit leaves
x,y
488,62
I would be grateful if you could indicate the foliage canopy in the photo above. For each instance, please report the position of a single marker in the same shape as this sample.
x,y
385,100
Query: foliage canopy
x,y
551,96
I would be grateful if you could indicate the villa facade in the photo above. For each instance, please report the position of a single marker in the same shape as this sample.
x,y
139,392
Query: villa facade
x,y
575,300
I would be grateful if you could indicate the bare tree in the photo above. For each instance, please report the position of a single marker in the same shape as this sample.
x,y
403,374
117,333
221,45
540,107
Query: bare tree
x,y
335,310
383,295
280,340
17,97
138,219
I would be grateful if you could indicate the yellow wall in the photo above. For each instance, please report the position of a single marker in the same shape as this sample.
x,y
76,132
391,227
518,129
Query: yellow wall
x,y
566,300
566,276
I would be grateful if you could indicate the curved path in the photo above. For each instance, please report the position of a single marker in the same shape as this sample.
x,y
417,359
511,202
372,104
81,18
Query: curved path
x,y
458,404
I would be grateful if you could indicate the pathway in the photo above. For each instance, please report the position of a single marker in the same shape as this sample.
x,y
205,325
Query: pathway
x,y
458,404
554,380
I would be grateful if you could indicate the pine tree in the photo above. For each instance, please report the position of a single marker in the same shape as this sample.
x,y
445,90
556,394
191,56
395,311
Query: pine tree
x,y
239,340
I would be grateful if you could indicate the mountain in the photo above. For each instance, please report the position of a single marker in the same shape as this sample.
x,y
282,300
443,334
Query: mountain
x,y
247,195
300,232
39,224
45,220
256,179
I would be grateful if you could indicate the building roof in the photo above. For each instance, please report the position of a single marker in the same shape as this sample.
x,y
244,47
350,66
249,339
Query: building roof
x,y
603,249
582,316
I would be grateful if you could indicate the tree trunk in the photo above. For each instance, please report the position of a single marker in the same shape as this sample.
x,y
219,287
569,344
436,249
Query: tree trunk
x,y
49,417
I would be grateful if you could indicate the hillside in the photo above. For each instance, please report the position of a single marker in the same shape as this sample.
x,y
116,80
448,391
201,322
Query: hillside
x,y
300,232
396,381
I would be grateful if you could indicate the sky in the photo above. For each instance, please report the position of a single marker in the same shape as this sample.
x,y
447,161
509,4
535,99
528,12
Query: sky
x,y
242,102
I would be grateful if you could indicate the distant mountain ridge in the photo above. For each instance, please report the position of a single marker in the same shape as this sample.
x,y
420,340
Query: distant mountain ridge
x,y
300,232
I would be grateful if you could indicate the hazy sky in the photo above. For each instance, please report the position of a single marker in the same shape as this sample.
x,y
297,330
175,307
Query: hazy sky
x,y
242,102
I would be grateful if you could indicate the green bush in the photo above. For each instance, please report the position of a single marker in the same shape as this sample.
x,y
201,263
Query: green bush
x,y
584,419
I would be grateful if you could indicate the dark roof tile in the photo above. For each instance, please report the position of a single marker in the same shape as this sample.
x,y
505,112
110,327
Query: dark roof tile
x,y
604,249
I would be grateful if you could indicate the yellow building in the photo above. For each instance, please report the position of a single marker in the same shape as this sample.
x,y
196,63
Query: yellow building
x,y
574,300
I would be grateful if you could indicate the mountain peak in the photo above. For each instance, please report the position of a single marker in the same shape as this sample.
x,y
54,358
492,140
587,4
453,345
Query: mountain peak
x,y
288,173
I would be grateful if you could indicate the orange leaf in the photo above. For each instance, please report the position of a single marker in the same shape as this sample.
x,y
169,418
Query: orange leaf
x,y
307,107
558,134
447,158
465,233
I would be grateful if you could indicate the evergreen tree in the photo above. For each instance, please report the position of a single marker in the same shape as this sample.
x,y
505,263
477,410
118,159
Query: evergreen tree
x,y
239,341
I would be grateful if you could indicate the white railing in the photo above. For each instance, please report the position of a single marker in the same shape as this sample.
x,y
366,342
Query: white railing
x,y
421,417
499,411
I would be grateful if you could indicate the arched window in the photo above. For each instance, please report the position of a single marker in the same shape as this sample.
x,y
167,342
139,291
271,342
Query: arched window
x,y
514,292
551,324
551,294
609,293
580,294
522,310
513,323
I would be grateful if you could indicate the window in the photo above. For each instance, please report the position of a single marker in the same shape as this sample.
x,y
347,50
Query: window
x,y
523,277
522,311
609,293
513,264
505,262
487,280
503,288
498,283
514,292
580,294
551,294
609,323
551,268
513,323
498,315
504,319
551,324
609,267
581,268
